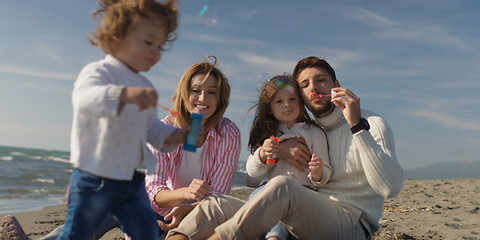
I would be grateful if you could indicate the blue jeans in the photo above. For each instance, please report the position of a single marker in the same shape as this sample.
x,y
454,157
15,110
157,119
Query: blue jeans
x,y
91,198
279,230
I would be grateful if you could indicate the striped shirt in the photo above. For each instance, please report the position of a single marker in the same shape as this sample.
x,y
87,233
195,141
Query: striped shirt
x,y
219,166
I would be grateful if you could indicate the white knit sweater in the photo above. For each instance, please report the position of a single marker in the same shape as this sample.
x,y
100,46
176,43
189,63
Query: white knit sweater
x,y
316,140
365,168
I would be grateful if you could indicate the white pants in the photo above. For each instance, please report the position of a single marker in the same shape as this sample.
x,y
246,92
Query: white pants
x,y
306,214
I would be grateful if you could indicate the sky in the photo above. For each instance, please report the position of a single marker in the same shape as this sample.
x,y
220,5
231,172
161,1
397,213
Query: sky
x,y
416,63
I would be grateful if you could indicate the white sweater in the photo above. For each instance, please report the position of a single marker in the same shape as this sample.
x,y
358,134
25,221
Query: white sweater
x,y
365,168
108,141
316,140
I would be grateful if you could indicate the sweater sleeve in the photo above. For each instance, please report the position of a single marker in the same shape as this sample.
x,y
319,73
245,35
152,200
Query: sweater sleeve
x,y
158,132
377,153
320,148
94,94
256,170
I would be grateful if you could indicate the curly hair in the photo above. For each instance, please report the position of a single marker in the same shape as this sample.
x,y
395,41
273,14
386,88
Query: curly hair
x,y
118,15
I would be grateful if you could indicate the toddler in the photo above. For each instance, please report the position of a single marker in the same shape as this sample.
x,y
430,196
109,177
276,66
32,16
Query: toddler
x,y
115,115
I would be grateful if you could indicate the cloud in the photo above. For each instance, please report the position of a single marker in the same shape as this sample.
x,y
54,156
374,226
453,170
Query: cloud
x,y
246,13
223,40
51,88
11,69
50,52
262,60
447,120
412,30
374,19
339,58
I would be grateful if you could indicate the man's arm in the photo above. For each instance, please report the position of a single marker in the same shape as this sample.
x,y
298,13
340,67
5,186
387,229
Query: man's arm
x,y
376,146
296,152
377,153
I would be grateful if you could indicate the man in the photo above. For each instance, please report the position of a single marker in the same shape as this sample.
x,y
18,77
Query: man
x,y
365,172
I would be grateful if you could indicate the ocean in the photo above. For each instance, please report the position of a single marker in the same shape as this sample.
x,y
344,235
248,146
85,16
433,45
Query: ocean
x,y
31,179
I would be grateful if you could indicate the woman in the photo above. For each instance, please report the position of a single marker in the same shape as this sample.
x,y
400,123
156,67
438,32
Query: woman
x,y
182,178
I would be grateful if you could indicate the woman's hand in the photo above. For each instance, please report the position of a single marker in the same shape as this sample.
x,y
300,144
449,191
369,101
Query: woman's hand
x,y
177,214
197,190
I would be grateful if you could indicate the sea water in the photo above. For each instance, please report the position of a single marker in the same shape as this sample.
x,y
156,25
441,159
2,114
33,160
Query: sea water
x,y
31,179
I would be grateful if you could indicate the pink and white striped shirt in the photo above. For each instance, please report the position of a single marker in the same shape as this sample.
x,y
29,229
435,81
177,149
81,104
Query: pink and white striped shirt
x,y
219,166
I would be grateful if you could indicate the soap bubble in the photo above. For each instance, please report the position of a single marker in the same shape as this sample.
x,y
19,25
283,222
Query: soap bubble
x,y
208,15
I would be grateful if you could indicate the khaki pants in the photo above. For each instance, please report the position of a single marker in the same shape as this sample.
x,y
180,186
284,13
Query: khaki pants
x,y
306,214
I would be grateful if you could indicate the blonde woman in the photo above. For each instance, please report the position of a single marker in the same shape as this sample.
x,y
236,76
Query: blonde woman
x,y
182,178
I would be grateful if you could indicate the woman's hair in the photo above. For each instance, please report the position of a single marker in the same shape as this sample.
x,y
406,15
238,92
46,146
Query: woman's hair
x,y
264,123
181,96
118,15
313,62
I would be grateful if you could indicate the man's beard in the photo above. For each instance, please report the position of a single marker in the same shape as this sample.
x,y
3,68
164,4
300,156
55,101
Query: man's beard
x,y
321,110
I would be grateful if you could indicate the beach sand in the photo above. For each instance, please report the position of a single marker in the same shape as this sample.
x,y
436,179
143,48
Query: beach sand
x,y
424,209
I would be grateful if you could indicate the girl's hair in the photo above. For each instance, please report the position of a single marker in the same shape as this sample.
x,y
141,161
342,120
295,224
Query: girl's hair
x,y
264,123
118,15
181,96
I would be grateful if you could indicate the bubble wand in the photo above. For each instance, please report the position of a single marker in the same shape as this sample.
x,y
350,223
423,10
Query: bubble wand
x,y
170,111
272,160
318,96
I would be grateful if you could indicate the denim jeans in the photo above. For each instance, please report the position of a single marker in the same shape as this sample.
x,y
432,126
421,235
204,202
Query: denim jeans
x,y
279,230
91,198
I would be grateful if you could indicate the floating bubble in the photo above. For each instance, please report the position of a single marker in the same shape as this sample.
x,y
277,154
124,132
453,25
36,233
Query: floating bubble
x,y
263,76
208,15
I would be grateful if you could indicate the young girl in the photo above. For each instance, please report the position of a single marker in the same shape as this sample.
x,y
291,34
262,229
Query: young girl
x,y
114,117
281,113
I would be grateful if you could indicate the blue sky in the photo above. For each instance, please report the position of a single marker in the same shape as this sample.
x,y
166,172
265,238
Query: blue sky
x,y
416,63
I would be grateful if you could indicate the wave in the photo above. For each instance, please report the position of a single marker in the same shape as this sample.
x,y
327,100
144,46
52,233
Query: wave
x,y
6,158
27,192
44,180
59,159
18,154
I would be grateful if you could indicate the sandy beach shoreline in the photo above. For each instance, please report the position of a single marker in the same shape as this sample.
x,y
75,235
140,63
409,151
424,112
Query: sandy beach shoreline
x,y
424,209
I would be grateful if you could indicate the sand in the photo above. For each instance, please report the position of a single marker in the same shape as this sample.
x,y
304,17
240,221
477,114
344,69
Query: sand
x,y
424,209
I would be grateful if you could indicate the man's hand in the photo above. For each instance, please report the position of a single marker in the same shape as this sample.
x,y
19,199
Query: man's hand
x,y
296,152
348,103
